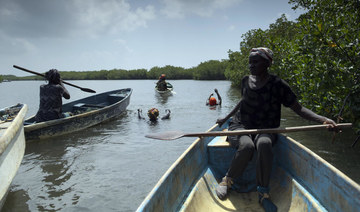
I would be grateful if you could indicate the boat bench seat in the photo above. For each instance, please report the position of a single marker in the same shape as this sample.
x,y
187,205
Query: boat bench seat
x,y
85,107
115,97
219,141
220,155
32,121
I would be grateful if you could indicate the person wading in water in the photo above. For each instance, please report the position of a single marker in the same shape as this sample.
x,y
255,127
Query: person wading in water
x,y
211,101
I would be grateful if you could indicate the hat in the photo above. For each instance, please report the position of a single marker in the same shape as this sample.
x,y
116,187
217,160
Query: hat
x,y
264,52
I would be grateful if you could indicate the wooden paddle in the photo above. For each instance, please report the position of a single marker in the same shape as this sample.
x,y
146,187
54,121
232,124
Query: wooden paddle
x,y
172,135
33,72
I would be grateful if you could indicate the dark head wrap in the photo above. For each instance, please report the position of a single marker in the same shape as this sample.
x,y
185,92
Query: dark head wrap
x,y
264,52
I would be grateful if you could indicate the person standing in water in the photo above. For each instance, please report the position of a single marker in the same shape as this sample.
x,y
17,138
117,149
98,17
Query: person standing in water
x,y
211,101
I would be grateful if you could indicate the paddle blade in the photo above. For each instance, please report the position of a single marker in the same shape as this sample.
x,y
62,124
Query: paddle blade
x,y
169,135
88,90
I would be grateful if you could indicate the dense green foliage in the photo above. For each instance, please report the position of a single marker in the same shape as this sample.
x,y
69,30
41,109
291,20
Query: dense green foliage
x,y
210,70
278,38
171,72
330,48
318,55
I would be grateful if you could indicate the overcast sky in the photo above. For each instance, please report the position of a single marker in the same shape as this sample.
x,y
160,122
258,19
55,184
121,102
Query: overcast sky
x,y
86,35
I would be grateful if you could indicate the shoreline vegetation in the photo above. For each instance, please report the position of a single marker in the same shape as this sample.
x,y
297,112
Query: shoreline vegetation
x,y
210,70
317,55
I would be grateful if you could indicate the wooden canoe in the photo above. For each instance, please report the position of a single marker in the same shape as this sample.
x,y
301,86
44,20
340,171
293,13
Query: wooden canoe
x,y
80,114
301,181
168,91
12,145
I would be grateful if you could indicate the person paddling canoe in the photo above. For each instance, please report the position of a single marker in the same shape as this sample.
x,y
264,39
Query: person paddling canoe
x,y
161,83
260,107
51,97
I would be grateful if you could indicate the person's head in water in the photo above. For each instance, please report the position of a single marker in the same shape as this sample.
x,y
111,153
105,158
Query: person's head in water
x,y
212,101
153,114
259,60
53,76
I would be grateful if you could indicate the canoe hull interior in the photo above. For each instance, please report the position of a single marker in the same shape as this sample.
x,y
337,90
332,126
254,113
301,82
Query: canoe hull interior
x,y
85,112
301,181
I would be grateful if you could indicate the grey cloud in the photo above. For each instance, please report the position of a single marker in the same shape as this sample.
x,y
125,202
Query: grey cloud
x,y
203,8
44,18
112,16
15,46
38,18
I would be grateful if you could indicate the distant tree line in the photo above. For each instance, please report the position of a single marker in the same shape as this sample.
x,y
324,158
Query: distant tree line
x,y
210,70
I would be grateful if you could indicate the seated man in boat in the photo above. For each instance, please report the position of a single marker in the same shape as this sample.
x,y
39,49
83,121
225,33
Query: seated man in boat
x,y
51,97
260,107
161,83
211,101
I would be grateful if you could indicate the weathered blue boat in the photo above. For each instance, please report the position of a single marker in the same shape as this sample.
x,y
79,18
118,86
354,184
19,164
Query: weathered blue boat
x,y
12,145
80,114
301,181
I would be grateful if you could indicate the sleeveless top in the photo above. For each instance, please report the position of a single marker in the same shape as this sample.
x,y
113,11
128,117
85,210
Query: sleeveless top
x,y
50,102
261,108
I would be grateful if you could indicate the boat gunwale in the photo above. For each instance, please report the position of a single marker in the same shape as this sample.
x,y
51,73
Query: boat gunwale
x,y
170,170
337,178
332,168
13,128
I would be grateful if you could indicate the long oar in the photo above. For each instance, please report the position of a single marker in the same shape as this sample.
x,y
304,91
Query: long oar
x,y
172,135
33,72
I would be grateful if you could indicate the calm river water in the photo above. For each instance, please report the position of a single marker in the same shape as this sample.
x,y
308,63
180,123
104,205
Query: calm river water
x,y
112,166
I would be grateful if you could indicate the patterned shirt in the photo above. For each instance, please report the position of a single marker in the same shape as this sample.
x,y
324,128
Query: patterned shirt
x,y
261,108
50,102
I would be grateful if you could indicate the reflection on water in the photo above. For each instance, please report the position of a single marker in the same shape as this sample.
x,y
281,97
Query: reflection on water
x,y
112,166
16,200
163,98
